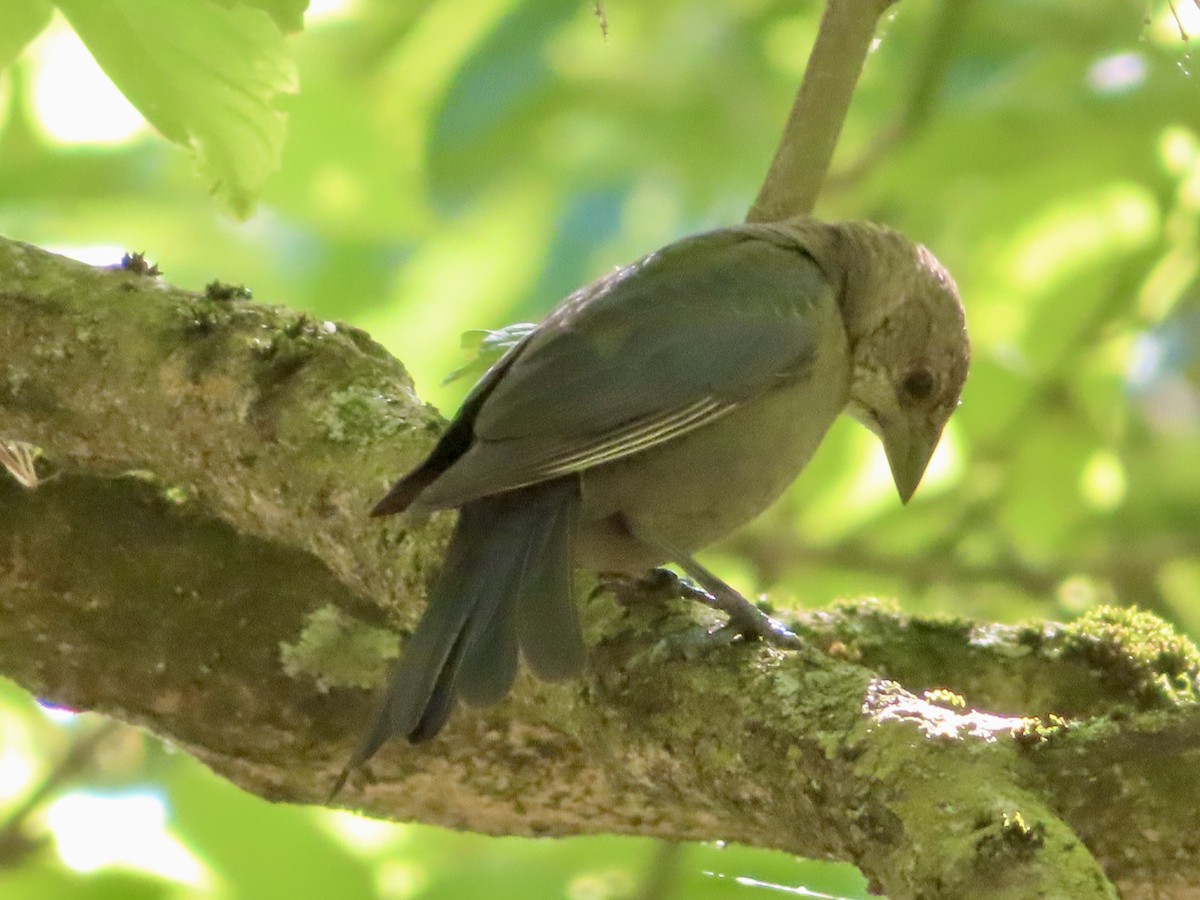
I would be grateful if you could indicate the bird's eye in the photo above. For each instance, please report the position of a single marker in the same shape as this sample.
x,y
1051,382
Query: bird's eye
x,y
918,384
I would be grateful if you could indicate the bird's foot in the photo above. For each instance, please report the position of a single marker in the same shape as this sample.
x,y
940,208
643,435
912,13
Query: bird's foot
x,y
745,620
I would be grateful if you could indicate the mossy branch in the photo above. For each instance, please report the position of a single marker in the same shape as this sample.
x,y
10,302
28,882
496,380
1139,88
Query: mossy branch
x,y
197,559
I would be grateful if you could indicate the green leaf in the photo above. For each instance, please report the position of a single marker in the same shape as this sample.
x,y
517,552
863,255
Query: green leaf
x,y
23,21
263,849
209,79
288,14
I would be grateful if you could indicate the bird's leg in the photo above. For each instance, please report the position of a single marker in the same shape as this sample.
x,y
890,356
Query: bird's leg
x,y
745,619
656,586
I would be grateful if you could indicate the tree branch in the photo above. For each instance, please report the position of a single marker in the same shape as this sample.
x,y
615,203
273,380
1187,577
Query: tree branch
x,y
15,844
810,135
197,559
927,80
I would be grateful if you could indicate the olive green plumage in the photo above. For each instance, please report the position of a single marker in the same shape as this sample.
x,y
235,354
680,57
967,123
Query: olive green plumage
x,y
662,406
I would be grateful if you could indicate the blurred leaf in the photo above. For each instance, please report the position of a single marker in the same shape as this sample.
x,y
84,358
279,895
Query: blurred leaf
x,y
210,80
264,849
50,879
492,90
347,182
1044,501
23,21
287,14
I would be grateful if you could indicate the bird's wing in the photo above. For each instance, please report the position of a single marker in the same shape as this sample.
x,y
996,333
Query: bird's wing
x,y
655,350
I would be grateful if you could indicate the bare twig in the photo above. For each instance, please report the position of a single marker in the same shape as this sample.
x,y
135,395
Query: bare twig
x,y
662,875
935,63
79,757
601,16
812,129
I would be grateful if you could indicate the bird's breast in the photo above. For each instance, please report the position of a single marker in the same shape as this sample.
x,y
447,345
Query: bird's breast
x,y
697,488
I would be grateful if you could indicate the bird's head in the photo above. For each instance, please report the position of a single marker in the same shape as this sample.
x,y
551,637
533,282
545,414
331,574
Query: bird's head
x,y
910,360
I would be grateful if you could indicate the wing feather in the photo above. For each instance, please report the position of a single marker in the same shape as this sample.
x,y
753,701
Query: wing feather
x,y
677,340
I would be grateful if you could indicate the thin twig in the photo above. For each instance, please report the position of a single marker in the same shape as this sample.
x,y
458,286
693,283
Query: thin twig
x,y
811,133
601,16
80,754
662,875
925,87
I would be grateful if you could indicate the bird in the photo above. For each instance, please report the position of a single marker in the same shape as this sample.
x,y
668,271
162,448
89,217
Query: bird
x,y
651,413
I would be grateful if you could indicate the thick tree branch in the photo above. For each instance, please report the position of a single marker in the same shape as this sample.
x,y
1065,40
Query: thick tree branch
x,y
197,559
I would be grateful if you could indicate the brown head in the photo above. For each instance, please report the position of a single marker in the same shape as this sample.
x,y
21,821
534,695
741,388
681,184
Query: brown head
x,y
909,347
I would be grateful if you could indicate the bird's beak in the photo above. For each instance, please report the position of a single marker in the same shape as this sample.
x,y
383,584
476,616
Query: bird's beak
x,y
909,446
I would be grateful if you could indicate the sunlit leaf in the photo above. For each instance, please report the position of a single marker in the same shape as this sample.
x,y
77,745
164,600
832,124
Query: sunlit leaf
x,y
288,14
23,20
211,80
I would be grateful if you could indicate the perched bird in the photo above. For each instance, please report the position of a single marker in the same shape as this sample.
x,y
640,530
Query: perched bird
x,y
653,412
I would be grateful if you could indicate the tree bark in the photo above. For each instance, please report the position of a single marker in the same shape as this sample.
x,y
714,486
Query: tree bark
x,y
197,559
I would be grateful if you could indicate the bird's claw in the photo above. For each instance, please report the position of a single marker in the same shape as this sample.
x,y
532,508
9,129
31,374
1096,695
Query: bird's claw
x,y
751,624
745,620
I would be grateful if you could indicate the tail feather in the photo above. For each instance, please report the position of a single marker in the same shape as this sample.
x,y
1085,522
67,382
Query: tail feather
x,y
508,553
430,719
547,619
489,665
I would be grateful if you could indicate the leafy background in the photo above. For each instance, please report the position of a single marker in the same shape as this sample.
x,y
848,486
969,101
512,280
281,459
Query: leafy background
x,y
425,167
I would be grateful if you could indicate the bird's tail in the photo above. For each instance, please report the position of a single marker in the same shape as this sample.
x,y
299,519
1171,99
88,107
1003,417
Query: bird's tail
x,y
506,585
